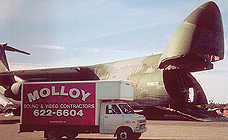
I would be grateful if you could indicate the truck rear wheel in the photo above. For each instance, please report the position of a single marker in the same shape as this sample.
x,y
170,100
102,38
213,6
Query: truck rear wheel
x,y
53,135
71,136
125,134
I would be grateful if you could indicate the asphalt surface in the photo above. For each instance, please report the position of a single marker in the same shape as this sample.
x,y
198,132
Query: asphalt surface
x,y
157,130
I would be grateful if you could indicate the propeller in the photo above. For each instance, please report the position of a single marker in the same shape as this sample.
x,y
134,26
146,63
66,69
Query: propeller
x,y
8,48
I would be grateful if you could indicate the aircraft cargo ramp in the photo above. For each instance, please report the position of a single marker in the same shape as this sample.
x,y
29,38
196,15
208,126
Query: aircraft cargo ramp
x,y
195,114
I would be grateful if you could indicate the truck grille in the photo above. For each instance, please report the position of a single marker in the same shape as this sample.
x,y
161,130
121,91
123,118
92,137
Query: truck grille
x,y
141,126
142,121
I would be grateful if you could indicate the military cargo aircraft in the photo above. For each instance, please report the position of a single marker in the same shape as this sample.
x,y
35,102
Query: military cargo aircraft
x,y
159,80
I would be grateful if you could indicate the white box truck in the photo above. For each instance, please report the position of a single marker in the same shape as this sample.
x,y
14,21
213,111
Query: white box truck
x,y
74,107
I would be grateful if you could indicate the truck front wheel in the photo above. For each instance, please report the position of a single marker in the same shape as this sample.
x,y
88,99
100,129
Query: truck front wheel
x,y
137,135
124,134
53,135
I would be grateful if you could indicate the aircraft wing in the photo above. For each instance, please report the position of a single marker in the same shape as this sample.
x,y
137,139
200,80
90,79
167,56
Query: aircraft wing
x,y
54,74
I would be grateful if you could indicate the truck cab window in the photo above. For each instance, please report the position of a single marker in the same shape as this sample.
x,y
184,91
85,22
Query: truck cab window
x,y
126,109
112,109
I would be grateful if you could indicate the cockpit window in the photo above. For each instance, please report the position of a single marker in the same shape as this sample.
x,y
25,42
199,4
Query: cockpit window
x,y
126,109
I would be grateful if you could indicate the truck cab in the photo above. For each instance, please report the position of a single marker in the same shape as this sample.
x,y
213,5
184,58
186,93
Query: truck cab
x,y
118,118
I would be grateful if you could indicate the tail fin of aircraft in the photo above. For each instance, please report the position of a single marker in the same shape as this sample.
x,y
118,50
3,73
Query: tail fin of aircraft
x,y
198,41
4,67
3,60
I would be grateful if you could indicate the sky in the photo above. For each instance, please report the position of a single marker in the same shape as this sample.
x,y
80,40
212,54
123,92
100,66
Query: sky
x,y
61,33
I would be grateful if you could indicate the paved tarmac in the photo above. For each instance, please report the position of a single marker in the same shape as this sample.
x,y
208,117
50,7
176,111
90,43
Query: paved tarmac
x,y
157,130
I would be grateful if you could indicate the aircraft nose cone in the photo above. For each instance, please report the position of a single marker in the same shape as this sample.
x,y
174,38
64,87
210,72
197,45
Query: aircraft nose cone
x,y
200,36
207,16
208,37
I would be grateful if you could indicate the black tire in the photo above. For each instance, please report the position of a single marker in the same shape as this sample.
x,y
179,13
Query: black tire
x,y
125,134
71,136
137,135
53,135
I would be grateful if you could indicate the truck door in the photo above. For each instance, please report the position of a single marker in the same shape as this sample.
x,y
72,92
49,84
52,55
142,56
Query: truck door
x,y
112,118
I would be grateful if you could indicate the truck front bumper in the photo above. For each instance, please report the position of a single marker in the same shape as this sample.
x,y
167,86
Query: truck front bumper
x,y
141,130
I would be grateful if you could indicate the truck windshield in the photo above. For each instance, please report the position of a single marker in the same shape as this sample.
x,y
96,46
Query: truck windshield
x,y
126,109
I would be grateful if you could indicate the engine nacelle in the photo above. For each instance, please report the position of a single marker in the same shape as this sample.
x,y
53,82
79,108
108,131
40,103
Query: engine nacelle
x,y
14,90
